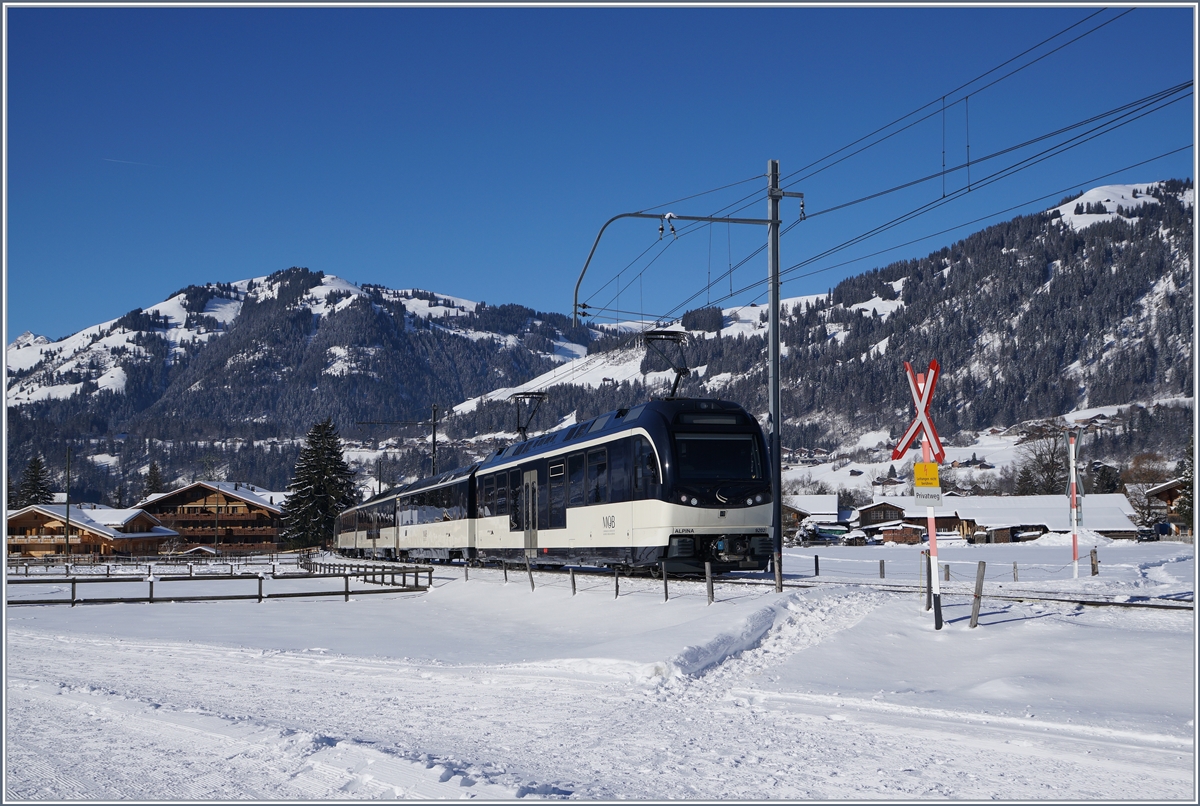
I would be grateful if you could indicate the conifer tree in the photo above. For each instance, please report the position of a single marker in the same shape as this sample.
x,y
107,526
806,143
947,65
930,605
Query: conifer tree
x,y
1184,504
322,486
35,484
154,483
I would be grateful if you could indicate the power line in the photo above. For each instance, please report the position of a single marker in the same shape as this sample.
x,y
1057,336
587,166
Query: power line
x,y
1131,112
1025,203
943,97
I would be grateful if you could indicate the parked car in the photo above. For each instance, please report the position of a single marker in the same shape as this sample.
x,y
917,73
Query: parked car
x,y
1147,535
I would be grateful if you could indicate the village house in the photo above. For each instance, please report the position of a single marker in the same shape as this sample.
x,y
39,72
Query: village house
x,y
84,529
1005,519
798,508
229,517
1168,493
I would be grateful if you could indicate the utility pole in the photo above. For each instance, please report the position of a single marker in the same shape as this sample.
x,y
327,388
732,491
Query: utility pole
x,y
67,525
774,194
433,422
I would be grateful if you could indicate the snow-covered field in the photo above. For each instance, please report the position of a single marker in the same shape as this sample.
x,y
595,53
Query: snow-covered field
x,y
484,689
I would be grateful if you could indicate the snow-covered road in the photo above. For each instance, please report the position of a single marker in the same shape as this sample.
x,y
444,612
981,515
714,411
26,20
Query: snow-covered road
x,y
481,689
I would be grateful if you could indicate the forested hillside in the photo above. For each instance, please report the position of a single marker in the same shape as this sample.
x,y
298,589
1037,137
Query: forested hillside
x,y
1083,306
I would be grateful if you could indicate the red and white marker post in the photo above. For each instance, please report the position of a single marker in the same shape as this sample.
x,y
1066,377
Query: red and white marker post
x,y
921,387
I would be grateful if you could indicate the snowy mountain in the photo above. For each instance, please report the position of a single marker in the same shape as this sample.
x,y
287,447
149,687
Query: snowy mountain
x,y
1086,305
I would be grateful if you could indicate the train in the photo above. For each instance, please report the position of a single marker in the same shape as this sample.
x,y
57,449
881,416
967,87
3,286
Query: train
x,y
668,484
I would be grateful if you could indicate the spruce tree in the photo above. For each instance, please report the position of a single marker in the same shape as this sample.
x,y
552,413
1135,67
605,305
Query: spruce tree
x,y
322,486
1184,504
35,484
154,483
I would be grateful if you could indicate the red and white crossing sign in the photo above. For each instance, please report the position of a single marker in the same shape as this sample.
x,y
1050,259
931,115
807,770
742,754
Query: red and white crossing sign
x,y
922,387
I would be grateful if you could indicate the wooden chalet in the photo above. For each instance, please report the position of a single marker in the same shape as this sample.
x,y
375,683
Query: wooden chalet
x,y
86,529
227,516
1168,493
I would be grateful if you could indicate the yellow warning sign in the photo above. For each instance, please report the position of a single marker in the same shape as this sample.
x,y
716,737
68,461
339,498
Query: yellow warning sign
x,y
925,474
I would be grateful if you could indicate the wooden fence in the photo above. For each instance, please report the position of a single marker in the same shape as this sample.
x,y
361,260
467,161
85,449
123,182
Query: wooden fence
x,y
385,577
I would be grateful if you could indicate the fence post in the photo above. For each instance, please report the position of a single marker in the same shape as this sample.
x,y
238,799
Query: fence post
x,y
466,571
616,582
921,577
504,565
1095,563
430,576
72,593
663,565
1015,573
816,566
572,572
881,576
708,580
946,570
529,570
346,579
260,589
151,580
978,596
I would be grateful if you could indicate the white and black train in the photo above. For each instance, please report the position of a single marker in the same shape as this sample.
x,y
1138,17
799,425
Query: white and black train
x,y
677,480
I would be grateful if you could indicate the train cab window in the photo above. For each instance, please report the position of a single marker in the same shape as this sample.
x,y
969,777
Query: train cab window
x,y
645,469
597,476
516,520
575,479
705,457
558,495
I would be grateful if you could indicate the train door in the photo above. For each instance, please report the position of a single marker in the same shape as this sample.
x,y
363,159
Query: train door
x,y
529,505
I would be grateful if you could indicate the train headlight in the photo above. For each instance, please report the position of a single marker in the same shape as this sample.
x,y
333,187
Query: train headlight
x,y
758,498
694,502
749,502
683,499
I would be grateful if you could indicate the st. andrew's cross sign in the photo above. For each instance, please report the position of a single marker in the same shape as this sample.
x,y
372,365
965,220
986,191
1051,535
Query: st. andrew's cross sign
x,y
922,393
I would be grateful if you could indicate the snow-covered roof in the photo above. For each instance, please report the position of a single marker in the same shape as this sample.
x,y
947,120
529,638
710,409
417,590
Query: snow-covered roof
x,y
1110,512
814,505
1166,486
267,499
101,520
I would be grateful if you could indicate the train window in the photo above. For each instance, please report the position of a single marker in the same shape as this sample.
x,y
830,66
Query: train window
x,y
645,469
718,456
516,521
618,471
543,498
487,506
600,423
558,498
597,476
501,495
575,478
634,413
557,469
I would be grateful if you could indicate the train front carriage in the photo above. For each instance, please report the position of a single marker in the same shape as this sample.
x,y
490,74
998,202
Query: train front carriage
x,y
678,481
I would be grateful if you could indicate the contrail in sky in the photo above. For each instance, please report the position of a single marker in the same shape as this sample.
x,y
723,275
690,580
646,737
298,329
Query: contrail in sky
x,y
128,162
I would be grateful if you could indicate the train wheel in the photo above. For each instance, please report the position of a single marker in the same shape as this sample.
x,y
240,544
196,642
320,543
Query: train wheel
x,y
655,571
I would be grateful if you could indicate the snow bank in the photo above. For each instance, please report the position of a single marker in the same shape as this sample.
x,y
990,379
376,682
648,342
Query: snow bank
x,y
1086,538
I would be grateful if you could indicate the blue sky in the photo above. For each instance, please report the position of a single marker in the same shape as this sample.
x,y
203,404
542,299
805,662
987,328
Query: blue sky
x,y
477,152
